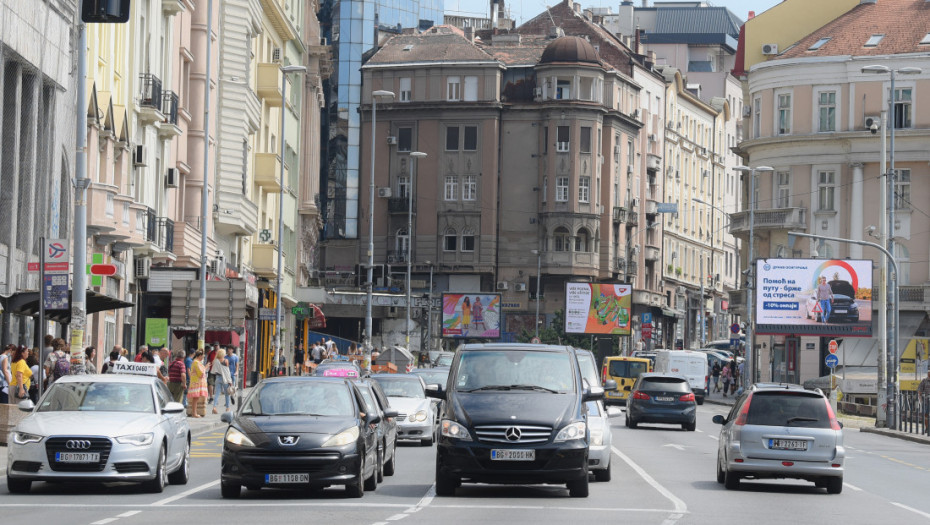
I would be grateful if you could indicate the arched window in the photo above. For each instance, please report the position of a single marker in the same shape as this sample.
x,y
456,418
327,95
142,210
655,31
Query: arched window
x,y
450,241
903,256
582,241
561,239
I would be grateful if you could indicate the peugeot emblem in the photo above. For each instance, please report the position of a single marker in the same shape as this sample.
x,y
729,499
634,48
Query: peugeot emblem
x,y
288,440
77,444
513,434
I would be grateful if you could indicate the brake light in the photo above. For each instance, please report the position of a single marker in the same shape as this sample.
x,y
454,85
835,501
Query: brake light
x,y
604,373
743,413
834,424
640,395
687,397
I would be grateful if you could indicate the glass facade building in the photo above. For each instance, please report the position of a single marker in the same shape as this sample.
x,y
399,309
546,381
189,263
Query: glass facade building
x,y
349,27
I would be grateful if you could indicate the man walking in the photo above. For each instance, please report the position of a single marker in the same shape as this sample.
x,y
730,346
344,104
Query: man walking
x,y
825,298
299,360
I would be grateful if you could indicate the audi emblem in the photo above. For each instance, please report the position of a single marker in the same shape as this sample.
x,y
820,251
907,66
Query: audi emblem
x,y
288,440
78,444
513,434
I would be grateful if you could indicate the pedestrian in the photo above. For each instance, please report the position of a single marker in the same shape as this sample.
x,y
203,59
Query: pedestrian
x,y
5,376
164,361
725,377
211,379
316,352
21,375
197,391
33,362
734,376
123,354
188,364
108,366
90,363
923,398
177,373
640,345
220,370
299,360
141,353
233,360
825,299
715,373
58,363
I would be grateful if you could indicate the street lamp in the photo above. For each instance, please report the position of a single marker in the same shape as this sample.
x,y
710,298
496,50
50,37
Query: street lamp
x,y
429,311
538,254
278,320
375,95
205,189
750,329
712,236
414,156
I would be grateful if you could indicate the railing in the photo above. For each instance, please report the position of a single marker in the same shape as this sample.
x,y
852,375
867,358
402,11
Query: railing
x,y
780,218
396,256
915,409
619,214
400,204
169,106
151,225
631,267
632,218
165,229
151,91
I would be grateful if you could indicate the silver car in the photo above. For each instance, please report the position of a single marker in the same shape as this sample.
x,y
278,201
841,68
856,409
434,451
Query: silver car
x,y
781,431
416,417
110,427
600,443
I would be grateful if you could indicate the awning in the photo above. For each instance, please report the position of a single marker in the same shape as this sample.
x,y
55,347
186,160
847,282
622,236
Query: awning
x,y
27,303
668,312
222,337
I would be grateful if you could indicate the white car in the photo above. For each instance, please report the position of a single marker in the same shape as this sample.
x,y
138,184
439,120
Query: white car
x,y
416,417
113,427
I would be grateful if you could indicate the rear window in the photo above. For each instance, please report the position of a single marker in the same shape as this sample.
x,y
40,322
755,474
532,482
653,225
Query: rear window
x,y
788,410
626,368
665,384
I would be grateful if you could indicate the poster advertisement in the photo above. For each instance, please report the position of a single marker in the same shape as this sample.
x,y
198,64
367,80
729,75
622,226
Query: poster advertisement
x,y
914,363
471,315
814,297
156,332
592,308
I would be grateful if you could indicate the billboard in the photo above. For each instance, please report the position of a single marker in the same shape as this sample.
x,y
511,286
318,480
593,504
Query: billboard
x,y
471,315
814,297
592,308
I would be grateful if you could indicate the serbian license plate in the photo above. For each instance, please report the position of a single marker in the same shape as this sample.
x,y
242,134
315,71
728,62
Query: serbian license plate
x,y
839,311
787,444
287,478
665,398
77,457
513,455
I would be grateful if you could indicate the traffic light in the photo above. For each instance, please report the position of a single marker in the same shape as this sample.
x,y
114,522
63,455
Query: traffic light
x,y
105,11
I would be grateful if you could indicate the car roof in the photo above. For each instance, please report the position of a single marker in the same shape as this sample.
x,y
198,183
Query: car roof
x,y
288,379
650,375
109,378
514,346
402,377
784,387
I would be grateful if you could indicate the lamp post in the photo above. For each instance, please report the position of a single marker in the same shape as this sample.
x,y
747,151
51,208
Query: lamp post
x,y
375,95
429,311
414,155
889,203
750,329
713,233
205,190
278,320
538,254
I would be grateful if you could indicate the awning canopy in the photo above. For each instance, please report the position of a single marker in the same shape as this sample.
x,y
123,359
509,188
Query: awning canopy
x,y
27,303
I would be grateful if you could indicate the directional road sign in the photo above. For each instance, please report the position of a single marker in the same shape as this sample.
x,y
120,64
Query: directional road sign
x,y
831,360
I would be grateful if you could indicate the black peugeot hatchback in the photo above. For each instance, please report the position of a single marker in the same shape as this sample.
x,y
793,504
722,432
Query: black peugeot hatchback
x,y
514,414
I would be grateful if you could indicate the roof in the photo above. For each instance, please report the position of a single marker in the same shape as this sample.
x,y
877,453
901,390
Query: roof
x,y
904,23
695,25
514,346
517,50
439,44
569,49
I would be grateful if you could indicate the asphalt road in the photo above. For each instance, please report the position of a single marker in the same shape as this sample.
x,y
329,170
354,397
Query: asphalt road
x,y
661,475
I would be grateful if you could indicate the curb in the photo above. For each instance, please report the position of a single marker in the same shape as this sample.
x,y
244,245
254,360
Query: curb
x,y
897,434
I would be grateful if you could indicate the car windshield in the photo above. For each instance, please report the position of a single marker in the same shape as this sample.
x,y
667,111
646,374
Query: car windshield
x,y
665,384
444,360
401,387
626,368
300,398
98,397
783,409
515,370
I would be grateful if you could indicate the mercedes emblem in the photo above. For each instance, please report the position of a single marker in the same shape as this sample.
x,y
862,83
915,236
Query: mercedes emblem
x,y
513,434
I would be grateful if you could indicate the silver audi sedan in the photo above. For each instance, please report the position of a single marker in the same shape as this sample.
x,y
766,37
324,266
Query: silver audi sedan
x,y
113,427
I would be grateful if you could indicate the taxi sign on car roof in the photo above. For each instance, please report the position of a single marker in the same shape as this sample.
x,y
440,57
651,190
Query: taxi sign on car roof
x,y
145,369
340,372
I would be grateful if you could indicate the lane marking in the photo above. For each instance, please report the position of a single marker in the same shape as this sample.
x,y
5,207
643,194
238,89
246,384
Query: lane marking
x,y
853,487
128,514
186,493
397,517
912,509
680,507
104,521
715,438
426,499
675,446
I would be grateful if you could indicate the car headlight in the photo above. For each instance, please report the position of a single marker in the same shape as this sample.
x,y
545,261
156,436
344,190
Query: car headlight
x,y
597,438
24,438
454,430
572,431
350,435
854,306
139,440
238,438
420,415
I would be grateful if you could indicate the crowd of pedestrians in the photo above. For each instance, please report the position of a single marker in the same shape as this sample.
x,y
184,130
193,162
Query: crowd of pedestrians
x,y
729,374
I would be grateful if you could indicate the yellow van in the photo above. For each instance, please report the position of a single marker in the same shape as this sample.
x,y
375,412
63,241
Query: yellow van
x,y
623,370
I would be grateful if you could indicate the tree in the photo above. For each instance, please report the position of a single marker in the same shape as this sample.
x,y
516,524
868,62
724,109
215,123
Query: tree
x,y
554,334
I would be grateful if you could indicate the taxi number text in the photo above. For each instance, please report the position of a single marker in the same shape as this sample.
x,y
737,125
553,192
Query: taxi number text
x,y
513,455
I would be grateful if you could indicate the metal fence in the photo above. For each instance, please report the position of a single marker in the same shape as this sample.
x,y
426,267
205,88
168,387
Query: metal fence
x,y
913,417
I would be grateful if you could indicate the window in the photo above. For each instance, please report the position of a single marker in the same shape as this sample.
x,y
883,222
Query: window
x,y
401,244
827,102
826,190
783,189
585,139
584,189
561,238
902,108
471,89
405,93
582,241
757,118
450,241
903,257
925,40
108,209
451,188
469,188
468,242
403,186
784,114
545,189
561,189
404,139
874,40
452,138
818,44
454,89
562,138
563,89
902,190
471,138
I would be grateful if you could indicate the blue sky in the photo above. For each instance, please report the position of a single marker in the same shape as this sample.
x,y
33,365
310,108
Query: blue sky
x,y
523,10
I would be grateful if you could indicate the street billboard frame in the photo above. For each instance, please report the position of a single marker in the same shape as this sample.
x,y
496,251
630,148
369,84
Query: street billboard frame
x,y
598,308
454,315
786,291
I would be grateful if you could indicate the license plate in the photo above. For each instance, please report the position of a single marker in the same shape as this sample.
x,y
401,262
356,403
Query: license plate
x,y
839,311
787,444
77,457
287,478
513,455
665,398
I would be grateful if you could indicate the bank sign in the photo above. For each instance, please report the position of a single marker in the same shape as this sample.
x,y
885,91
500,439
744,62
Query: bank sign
x,y
814,297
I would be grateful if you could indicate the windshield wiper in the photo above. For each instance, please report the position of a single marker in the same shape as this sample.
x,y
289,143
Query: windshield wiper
x,y
488,387
793,419
533,387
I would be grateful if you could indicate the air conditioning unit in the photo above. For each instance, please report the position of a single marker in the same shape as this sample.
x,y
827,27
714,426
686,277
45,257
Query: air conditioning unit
x,y
323,41
216,267
143,267
872,119
138,156
384,192
276,54
634,203
520,287
629,170
171,178
769,49
652,137
502,285
392,140
561,147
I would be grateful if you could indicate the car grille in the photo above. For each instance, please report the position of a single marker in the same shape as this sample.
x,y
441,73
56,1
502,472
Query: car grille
x,y
26,466
499,433
290,462
130,467
58,444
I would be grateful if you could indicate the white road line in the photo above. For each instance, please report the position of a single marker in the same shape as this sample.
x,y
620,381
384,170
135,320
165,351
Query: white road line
x,y
427,498
128,514
186,493
680,506
537,507
397,517
711,436
851,486
104,521
915,511
217,504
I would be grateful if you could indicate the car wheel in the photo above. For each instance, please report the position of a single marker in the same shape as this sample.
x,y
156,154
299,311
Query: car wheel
x,y
381,463
371,482
730,480
445,485
180,476
835,485
18,486
630,422
158,483
578,488
230,490
690,427
389,466
700,400
356,489
721,475
603,474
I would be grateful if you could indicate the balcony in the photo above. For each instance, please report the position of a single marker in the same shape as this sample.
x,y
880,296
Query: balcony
x,y
150,100
632,218
268,171
652,207
396,256
771,219
619,264
619,214
651,254
269,83
164,234
400,205
648,298
235,214
265,260
631,268
168,128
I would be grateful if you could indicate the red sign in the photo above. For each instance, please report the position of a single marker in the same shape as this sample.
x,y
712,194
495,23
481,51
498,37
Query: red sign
x,y
833,346
103,269
49,267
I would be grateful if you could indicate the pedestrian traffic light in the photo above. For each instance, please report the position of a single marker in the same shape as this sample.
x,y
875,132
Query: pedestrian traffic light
x,y
105,11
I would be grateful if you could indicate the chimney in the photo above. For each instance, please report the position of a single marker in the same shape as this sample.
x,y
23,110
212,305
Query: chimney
x,y
576,7
470,34
494,14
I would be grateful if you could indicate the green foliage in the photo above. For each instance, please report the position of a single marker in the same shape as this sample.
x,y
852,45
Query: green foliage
x,y
554,334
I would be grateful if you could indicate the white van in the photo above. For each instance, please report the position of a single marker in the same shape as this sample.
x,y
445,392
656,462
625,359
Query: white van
x,y
689,363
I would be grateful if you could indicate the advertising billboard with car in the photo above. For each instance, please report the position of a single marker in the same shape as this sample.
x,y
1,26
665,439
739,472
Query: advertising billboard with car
x,y
592,308
471,315
814,297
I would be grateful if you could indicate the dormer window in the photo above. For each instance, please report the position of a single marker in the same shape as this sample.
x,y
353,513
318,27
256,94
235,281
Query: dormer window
x,y
874,40
818,44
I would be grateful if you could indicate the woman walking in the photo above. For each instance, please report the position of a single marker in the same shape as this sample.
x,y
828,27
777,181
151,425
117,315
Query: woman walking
x,y
21,375
725,376
197,391
220,370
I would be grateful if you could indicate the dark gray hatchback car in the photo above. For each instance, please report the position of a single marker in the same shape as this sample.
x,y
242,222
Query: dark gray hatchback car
x,y
659,397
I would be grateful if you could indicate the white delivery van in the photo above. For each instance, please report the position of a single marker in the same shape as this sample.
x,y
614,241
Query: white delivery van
x,y
689,363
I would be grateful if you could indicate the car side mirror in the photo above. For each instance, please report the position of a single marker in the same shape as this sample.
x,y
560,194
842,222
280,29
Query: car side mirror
x,y
226,417
373,419
26,405
174,407
594,393
390,413
435,391
610,385
719,419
